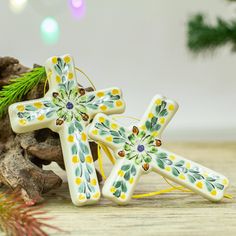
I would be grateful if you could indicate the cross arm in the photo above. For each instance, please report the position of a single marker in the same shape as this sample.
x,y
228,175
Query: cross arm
x,y
26,116
108,101
206,182
158,115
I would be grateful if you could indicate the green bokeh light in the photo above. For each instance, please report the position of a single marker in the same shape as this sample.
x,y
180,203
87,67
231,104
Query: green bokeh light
x,y
50,30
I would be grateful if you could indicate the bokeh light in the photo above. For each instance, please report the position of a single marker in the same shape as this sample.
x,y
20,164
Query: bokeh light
x,y
50,30
17,5
77,8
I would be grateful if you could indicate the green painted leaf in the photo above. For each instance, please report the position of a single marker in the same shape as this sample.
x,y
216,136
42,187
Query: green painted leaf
x,y
118,140
81,188
127,175
161,155
78,171
160,163
175,172
50,114
89,168
92,106
179,163
198,176
117,193
148,125
87,176
125,167
30,108
164,112
133,170
71,129
81,156
191,179
78,126
210,179
219,186
209,186
147,158
127,147
114,133
123,187
74,149
156,127
117,184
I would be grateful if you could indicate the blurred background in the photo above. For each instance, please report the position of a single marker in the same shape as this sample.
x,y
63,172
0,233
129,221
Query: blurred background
x,y
139,46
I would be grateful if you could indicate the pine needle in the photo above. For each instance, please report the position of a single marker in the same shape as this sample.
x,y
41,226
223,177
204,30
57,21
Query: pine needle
x,y
205,37
19,87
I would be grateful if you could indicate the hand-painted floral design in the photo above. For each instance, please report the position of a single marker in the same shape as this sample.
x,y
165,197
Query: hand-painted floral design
x,y
67,108
139,151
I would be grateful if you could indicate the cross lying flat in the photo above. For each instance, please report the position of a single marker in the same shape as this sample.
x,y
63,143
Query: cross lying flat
x,y
67,109
138,152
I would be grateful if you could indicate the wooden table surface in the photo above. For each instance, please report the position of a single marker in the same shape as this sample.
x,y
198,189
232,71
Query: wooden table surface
x,y
175,213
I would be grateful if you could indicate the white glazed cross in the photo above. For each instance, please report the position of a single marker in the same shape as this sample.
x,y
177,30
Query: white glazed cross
x,y
137,151
67,109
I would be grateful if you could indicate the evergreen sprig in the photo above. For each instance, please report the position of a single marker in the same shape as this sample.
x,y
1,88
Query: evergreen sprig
x,y
205,37
19,87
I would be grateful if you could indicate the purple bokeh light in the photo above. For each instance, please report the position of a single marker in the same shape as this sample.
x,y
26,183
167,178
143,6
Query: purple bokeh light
x,y
77,8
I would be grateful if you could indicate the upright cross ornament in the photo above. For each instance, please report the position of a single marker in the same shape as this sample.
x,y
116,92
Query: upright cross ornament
x,y
67,109
138,152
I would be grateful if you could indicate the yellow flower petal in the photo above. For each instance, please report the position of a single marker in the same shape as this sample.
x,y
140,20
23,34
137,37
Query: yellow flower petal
x,y
188,165
78,181
75,159
158,102
20,107
22,122
121,173
213,192
101,119
96,195
89,159
67,59
225,182
93,182
171,107
103,107
81,197
112,189
114,126
168,168
100,94
182,176
54,60
58,79
199,184
95,132
115,91
70,138
109,139
155,133
41,117
172,157
119,103
150,115
122,196
131,180
70,75
162,120
83,137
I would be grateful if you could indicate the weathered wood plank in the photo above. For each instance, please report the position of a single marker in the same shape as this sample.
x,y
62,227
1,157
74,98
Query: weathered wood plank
x,y
175,213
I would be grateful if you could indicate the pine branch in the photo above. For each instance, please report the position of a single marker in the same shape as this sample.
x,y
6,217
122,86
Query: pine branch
x,y
19,87
205,37
16,218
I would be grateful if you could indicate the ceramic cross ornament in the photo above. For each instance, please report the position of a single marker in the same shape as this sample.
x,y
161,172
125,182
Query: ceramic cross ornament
x,y
67,109
138,151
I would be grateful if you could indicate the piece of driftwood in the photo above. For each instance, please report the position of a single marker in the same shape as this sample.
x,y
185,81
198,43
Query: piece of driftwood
x,y
22,156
